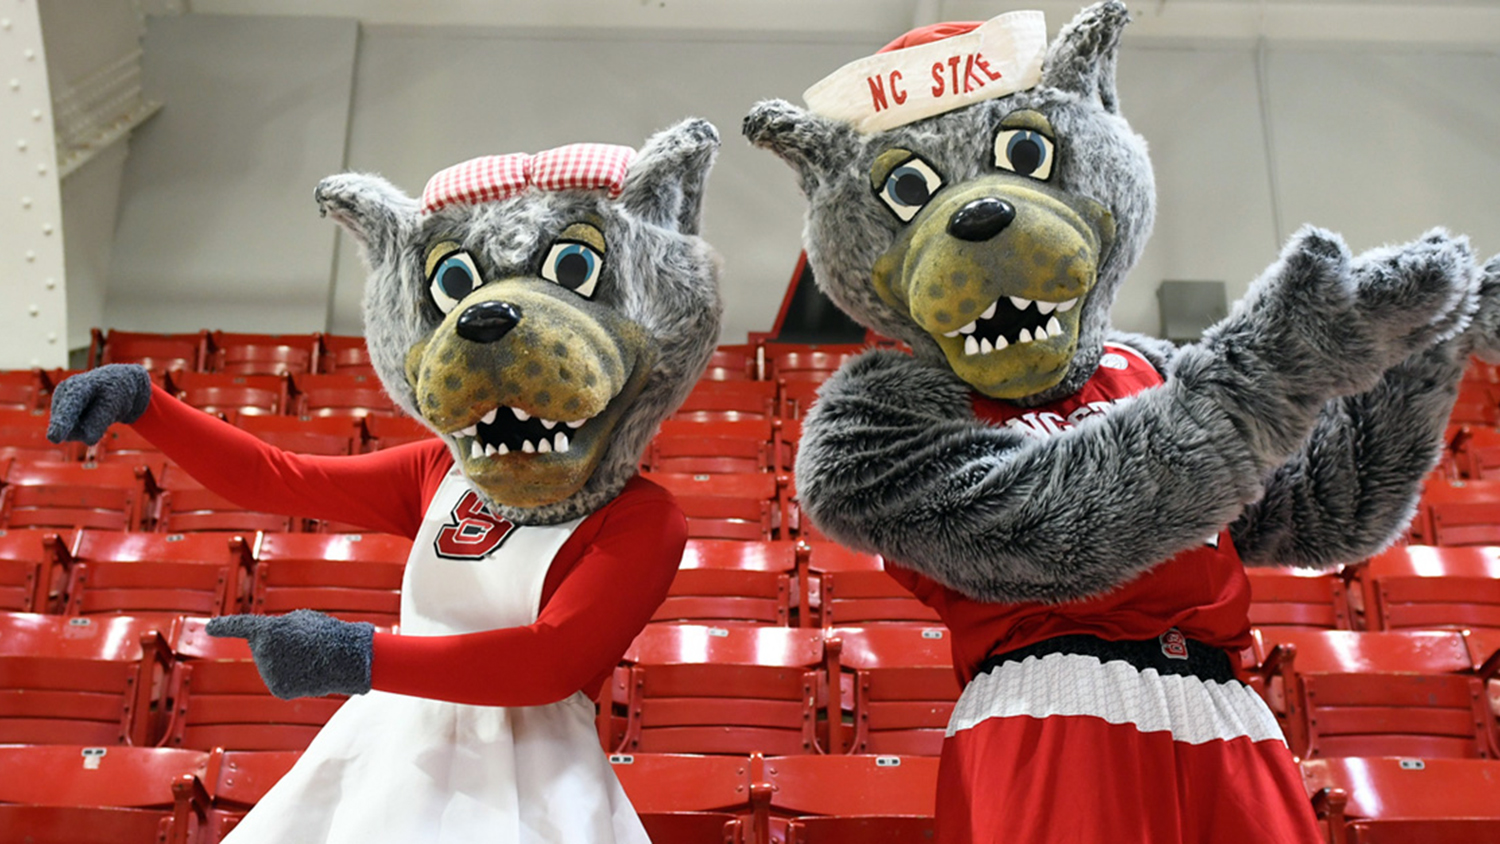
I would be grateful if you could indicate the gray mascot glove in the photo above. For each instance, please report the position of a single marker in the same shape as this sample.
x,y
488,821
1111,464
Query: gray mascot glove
x,y
86,404
305,653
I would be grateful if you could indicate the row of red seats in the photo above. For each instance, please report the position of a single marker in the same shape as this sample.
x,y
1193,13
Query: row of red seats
x,y
337,394
232,352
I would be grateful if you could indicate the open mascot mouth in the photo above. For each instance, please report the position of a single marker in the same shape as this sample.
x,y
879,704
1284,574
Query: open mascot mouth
x,y
1013,320
506,429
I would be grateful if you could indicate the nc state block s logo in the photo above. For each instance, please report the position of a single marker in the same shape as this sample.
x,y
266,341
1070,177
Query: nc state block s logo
x,y
474,531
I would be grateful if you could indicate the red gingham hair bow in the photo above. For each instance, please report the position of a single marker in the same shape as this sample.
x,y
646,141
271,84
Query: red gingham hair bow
x,y
495,177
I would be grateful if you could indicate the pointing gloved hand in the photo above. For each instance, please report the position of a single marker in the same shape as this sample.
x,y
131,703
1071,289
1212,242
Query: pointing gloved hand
x,y
86,404
305,653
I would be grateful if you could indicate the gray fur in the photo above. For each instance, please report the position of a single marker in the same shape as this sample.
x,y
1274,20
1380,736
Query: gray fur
x,y
659,274
892,459
85,405
1098,157
305,653
1483,337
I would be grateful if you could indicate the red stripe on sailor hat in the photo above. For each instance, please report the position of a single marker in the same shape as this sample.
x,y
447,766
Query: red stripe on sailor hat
x,y
583,167
485,179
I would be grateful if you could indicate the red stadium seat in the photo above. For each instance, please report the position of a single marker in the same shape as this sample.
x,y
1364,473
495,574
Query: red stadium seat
x,y
261,354
236,780
852,799
186,506
341,394
141,573
71,794
121,444
731,580
1476,452
387,431
350,576
216,392
1430,588
747,445
107,496
21,389
804,364
339,435
901,691
734,363
687,799
1477,405
732,689
1458,513
1297,598
158,352
218,699
847,588
23,435
1405,800
344,354
78,680
727,401
1343,693
797,397
724,506
29,561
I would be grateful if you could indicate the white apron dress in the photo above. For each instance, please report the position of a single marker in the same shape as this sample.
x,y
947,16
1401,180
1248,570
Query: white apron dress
x,y
406,770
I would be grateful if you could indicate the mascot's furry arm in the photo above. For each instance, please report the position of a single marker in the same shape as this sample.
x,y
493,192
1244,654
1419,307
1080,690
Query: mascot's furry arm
x,y
893,461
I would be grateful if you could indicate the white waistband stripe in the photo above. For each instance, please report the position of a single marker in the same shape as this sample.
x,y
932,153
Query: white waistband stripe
x,y
1194,711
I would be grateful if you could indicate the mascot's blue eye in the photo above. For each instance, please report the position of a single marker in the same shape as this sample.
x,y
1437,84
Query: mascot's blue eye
x,y
1024,153
910,187
573,265
454,278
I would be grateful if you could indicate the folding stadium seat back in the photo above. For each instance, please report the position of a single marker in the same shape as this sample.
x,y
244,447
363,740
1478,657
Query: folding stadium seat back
x,y
78,680
732,580
159,352
1410,800
329,436
87,825
1427,587
351,576
186,506
897,685
236,780
29,561
74,495
727,401
23,435
344,354
718,447
732,689
740,505
687,799
389,431
1476,452
1296,598
21,389
850,588
886,799
797,397
121,444
341,394
733,363
1409,693
138,573
261,354
1458,513
226,393
807,365
218,699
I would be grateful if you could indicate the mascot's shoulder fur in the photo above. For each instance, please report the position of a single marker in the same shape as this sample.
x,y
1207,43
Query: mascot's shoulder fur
x,y
543,335
992,239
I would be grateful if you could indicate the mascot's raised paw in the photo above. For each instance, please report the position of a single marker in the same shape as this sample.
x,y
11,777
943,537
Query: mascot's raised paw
x,y
1418,293
1482,338
88,403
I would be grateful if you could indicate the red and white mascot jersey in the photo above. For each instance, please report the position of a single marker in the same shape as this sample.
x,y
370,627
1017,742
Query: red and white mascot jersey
x,y
1118,718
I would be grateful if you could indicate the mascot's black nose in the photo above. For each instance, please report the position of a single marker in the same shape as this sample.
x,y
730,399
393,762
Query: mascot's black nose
x,y
487,322
981,219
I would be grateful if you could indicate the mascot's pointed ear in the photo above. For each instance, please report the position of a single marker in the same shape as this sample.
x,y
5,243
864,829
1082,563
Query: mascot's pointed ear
x,y
812,144
1082,59
372,209
665,182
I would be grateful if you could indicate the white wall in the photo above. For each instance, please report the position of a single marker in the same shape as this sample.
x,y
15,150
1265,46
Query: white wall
x,y
1375,140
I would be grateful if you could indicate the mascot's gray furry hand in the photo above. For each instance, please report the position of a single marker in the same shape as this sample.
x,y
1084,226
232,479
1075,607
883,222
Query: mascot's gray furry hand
x,y
305,653
86,404
1483,336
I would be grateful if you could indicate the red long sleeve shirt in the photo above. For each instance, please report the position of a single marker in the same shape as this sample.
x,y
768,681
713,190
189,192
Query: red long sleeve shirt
x,y
601,589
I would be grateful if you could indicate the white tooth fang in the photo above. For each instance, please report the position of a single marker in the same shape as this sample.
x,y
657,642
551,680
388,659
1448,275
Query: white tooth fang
x,y
953,333
971,346
520,414
489,418
1021,304
489,450
1040,335
502,449
561,446
471,431
527,447
1045,307
576,423
544,447
1064,307
476,450
970,328
1054,327
1025,336
990,311
985,347
549,424
1001,343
